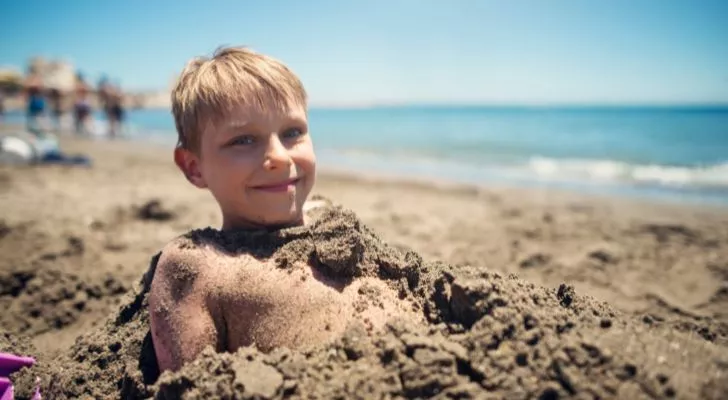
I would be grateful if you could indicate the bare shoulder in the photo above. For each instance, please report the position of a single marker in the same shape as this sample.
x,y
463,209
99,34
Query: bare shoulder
x,y
184,267
182,308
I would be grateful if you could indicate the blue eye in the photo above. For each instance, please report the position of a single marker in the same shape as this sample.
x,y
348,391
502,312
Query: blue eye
x,y
292,133
242,141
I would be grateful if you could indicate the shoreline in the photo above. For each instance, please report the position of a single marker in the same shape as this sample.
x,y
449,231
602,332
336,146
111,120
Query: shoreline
x,y
643,193
682,185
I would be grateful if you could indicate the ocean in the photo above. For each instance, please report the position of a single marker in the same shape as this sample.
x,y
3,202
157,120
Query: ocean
x,y
670,153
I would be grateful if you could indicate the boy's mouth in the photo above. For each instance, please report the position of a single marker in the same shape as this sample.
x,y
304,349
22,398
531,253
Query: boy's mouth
x,y
283,186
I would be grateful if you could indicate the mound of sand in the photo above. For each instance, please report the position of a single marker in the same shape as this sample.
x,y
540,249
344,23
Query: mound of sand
x,y
486,335
47,290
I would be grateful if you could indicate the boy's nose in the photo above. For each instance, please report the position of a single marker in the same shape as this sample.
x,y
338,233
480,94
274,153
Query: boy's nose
x,y
276,154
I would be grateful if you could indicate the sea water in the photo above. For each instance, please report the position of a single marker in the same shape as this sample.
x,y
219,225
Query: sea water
x,y
676,153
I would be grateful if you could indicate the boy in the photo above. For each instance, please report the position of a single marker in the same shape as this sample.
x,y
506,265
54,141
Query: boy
x,y
241,119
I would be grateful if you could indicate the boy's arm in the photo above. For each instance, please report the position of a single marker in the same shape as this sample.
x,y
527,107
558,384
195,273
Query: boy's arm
x,y
182,322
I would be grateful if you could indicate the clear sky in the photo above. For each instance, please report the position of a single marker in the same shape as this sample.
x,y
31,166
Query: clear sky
x,y
401,51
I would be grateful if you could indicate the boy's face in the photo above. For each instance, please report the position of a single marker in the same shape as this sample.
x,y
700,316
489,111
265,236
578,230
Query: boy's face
x,y
259,166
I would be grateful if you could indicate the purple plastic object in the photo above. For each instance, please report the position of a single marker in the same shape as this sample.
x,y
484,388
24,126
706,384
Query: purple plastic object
x,y
6,389
10,363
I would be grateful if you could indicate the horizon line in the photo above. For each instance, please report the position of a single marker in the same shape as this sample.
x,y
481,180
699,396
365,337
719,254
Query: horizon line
x,y
522,105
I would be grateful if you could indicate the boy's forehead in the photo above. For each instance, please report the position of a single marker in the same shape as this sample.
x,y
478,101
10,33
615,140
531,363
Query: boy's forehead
x,y
243,114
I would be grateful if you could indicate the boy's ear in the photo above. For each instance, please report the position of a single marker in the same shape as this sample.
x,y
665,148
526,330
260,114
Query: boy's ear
x,y
189,164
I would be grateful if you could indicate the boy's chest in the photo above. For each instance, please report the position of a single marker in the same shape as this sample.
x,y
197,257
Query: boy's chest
x,y
274,307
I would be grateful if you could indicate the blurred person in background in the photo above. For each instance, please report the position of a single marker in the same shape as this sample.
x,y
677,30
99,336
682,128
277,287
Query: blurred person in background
x,y
2,105
81,106
109,100
103,90
34,100
115,110
55,100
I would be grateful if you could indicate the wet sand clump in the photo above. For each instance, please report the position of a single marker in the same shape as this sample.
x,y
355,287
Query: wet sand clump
x,y
487,335
45,285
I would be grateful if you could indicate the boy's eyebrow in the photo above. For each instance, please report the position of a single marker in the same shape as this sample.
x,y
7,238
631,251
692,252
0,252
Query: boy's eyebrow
x,y
238,124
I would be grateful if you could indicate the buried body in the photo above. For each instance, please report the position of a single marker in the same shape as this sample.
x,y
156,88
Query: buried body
x,y
479,334
208,291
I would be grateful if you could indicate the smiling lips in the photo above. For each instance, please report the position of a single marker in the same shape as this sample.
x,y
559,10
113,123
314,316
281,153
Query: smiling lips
x,y
279,187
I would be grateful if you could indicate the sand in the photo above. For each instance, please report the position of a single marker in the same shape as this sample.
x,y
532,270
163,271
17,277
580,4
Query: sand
x,y
526,293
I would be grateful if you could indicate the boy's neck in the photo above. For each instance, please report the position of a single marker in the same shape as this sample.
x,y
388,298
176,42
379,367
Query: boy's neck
x,y
242,224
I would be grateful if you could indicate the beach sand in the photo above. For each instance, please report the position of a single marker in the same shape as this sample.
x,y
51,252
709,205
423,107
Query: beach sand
x,y
527,292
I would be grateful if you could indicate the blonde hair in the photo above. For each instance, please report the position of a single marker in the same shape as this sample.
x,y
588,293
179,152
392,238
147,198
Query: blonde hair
x,y
208,88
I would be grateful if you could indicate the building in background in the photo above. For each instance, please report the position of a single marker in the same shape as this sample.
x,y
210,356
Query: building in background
x,y
62,75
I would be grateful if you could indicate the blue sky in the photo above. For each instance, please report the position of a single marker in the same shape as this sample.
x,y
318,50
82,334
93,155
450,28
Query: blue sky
x,y
402,51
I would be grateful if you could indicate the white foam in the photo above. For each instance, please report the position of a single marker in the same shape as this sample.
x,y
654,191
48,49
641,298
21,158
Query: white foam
x,y
617,171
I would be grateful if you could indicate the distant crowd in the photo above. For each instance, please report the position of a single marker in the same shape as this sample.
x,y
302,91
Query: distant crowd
x,y
47,103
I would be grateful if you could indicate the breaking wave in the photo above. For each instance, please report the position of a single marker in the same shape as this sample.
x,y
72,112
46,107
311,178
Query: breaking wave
x,y
616,171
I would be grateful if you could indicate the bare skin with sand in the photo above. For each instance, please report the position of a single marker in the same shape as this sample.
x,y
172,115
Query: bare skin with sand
x,y
203,296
